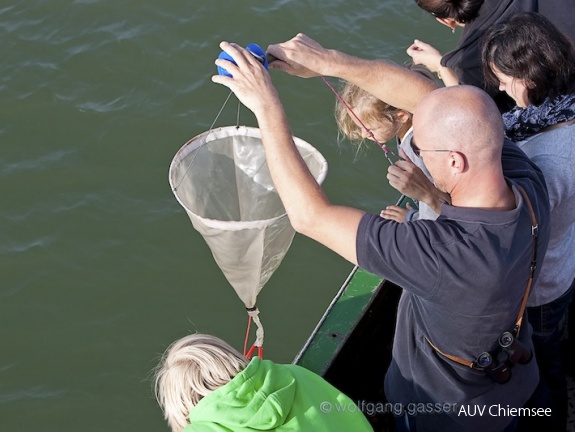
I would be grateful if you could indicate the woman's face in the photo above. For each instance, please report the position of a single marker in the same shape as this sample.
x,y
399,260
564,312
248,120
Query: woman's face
x,y
516,88
383,130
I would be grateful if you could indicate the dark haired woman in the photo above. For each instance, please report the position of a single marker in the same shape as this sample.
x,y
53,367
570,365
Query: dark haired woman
x,y
476,16
534,63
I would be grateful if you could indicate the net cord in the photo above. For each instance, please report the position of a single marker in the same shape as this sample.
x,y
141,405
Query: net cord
x,y
206,137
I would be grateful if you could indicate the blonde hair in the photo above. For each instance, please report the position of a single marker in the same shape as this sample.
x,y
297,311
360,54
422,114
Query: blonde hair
x,y
191,368
367,107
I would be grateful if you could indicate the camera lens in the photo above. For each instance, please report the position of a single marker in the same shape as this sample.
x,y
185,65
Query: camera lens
x,y
506,339
484,359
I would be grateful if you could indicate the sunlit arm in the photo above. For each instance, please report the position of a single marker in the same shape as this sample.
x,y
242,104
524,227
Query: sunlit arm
x,y
308,208
302,56
389,82
448,76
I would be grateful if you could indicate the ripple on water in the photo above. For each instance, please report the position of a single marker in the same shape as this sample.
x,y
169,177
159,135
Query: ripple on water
x,y
34,393
7,248
42,162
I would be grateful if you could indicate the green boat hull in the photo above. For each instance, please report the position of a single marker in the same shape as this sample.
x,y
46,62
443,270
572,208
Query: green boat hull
x,y
351,345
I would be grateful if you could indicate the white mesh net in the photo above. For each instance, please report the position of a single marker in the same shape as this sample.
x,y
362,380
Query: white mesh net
x,y
222,180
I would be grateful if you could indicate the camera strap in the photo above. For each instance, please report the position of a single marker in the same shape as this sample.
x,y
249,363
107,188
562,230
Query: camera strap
x,y
532,267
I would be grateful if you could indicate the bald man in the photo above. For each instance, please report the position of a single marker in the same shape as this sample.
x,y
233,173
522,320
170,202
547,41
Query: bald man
x,y
464,275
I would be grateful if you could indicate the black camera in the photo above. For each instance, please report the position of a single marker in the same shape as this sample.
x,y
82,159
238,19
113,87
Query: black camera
x,y
498,364
500,372
514,349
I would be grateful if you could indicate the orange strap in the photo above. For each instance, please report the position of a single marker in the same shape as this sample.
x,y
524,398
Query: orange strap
x,y
451,357
534,233
533,266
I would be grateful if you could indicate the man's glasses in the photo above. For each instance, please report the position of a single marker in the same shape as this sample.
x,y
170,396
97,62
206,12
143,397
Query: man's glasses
x,y
417,151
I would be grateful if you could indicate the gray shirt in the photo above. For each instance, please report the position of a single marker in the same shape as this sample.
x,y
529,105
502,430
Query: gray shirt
x,y
554,152
463,277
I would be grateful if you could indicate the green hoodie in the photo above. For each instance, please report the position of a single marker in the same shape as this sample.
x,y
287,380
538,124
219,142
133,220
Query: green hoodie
x,y
267,396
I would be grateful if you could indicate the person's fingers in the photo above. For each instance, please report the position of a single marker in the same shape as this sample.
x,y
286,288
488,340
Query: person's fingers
x,y
404,156
279,65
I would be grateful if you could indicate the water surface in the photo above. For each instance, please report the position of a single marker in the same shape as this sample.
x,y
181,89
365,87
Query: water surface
x,y
101,268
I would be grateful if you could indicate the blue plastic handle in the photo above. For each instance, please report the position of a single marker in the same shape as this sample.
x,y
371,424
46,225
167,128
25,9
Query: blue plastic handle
x,y
221,71
258,53
253,48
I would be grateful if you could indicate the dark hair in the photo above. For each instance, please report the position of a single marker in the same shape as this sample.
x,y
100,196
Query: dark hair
x,y
462,11
530,47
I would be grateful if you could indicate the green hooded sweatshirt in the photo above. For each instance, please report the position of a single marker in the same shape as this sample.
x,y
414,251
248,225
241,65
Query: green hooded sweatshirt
x,y
266,396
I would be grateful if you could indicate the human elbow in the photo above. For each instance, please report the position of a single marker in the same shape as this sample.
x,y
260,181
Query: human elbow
x,y
303,223
308,212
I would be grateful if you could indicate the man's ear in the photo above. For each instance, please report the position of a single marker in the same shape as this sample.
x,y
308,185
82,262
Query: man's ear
x,y
458,161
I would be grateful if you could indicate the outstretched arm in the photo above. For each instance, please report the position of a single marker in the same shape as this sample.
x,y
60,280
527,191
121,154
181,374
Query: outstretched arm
x,y
308,208
394,84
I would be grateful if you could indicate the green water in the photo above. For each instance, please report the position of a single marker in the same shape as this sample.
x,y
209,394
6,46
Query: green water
x,y
100,266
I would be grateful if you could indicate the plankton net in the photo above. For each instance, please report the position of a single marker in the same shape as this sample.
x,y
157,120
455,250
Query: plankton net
x,y
222,180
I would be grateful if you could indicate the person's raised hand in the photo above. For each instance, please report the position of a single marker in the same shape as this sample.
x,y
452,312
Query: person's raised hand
x,y
425,54
300,56
250,81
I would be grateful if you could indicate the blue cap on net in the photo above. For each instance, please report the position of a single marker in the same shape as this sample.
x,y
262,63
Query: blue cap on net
x,y
253,49
224,55
258,53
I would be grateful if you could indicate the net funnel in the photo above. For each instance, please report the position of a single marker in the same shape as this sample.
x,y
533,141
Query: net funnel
x,y
222,180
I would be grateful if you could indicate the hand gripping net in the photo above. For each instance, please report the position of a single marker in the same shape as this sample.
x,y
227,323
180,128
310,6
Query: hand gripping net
x,y
221,179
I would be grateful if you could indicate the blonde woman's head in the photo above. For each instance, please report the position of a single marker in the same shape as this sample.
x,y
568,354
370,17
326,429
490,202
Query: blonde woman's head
x,y
191,368
382,120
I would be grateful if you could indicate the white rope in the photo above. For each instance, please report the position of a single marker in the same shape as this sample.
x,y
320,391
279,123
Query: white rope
x,y
260,329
